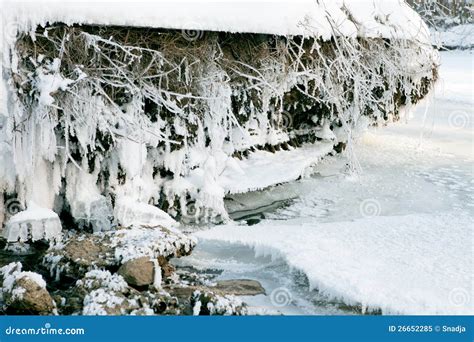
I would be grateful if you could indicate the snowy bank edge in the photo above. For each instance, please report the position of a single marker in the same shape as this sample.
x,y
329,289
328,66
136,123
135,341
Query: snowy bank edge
x,y
362,18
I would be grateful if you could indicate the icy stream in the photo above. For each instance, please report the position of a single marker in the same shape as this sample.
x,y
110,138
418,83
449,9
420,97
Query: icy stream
x,y
416,182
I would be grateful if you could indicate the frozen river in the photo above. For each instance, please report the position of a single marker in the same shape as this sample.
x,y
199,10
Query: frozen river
x,y
397,236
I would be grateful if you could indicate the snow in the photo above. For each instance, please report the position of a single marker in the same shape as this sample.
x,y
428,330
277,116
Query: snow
x,y
9,273
197,308
225,305
33,224
96,300
137,242
218,305
405,264
263,169
382,18
459,36
50,83
103,279
131,213
33,212
37,278
104,291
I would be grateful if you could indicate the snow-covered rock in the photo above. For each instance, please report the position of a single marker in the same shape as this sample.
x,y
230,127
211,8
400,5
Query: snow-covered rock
x,y
79,254
33,224
23,291
209,303
104,293
136,242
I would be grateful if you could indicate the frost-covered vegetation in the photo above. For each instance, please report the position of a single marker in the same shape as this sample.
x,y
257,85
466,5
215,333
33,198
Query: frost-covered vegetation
x,y
450,21
102,113
444,13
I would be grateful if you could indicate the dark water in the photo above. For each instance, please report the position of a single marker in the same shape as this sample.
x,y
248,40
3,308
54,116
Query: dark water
x,y
31,260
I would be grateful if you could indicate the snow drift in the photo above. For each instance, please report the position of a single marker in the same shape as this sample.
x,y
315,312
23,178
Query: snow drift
x,y
162,103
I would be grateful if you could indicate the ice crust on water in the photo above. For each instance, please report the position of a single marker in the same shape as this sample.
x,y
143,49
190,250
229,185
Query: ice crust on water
x,y
398,264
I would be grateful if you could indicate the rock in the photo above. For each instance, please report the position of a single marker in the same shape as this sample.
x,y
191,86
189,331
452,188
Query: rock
x,y
82,253
104,293
240,287
135,242
90,251
138,272
33,299
166,268
216,300
237,287
209,303
24,292
78,255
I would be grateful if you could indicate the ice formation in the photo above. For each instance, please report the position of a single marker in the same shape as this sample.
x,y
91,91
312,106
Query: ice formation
x,y
33,224
105,120
130,213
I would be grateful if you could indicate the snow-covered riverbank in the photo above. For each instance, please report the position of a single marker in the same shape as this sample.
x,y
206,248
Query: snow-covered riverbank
x,y
398,236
